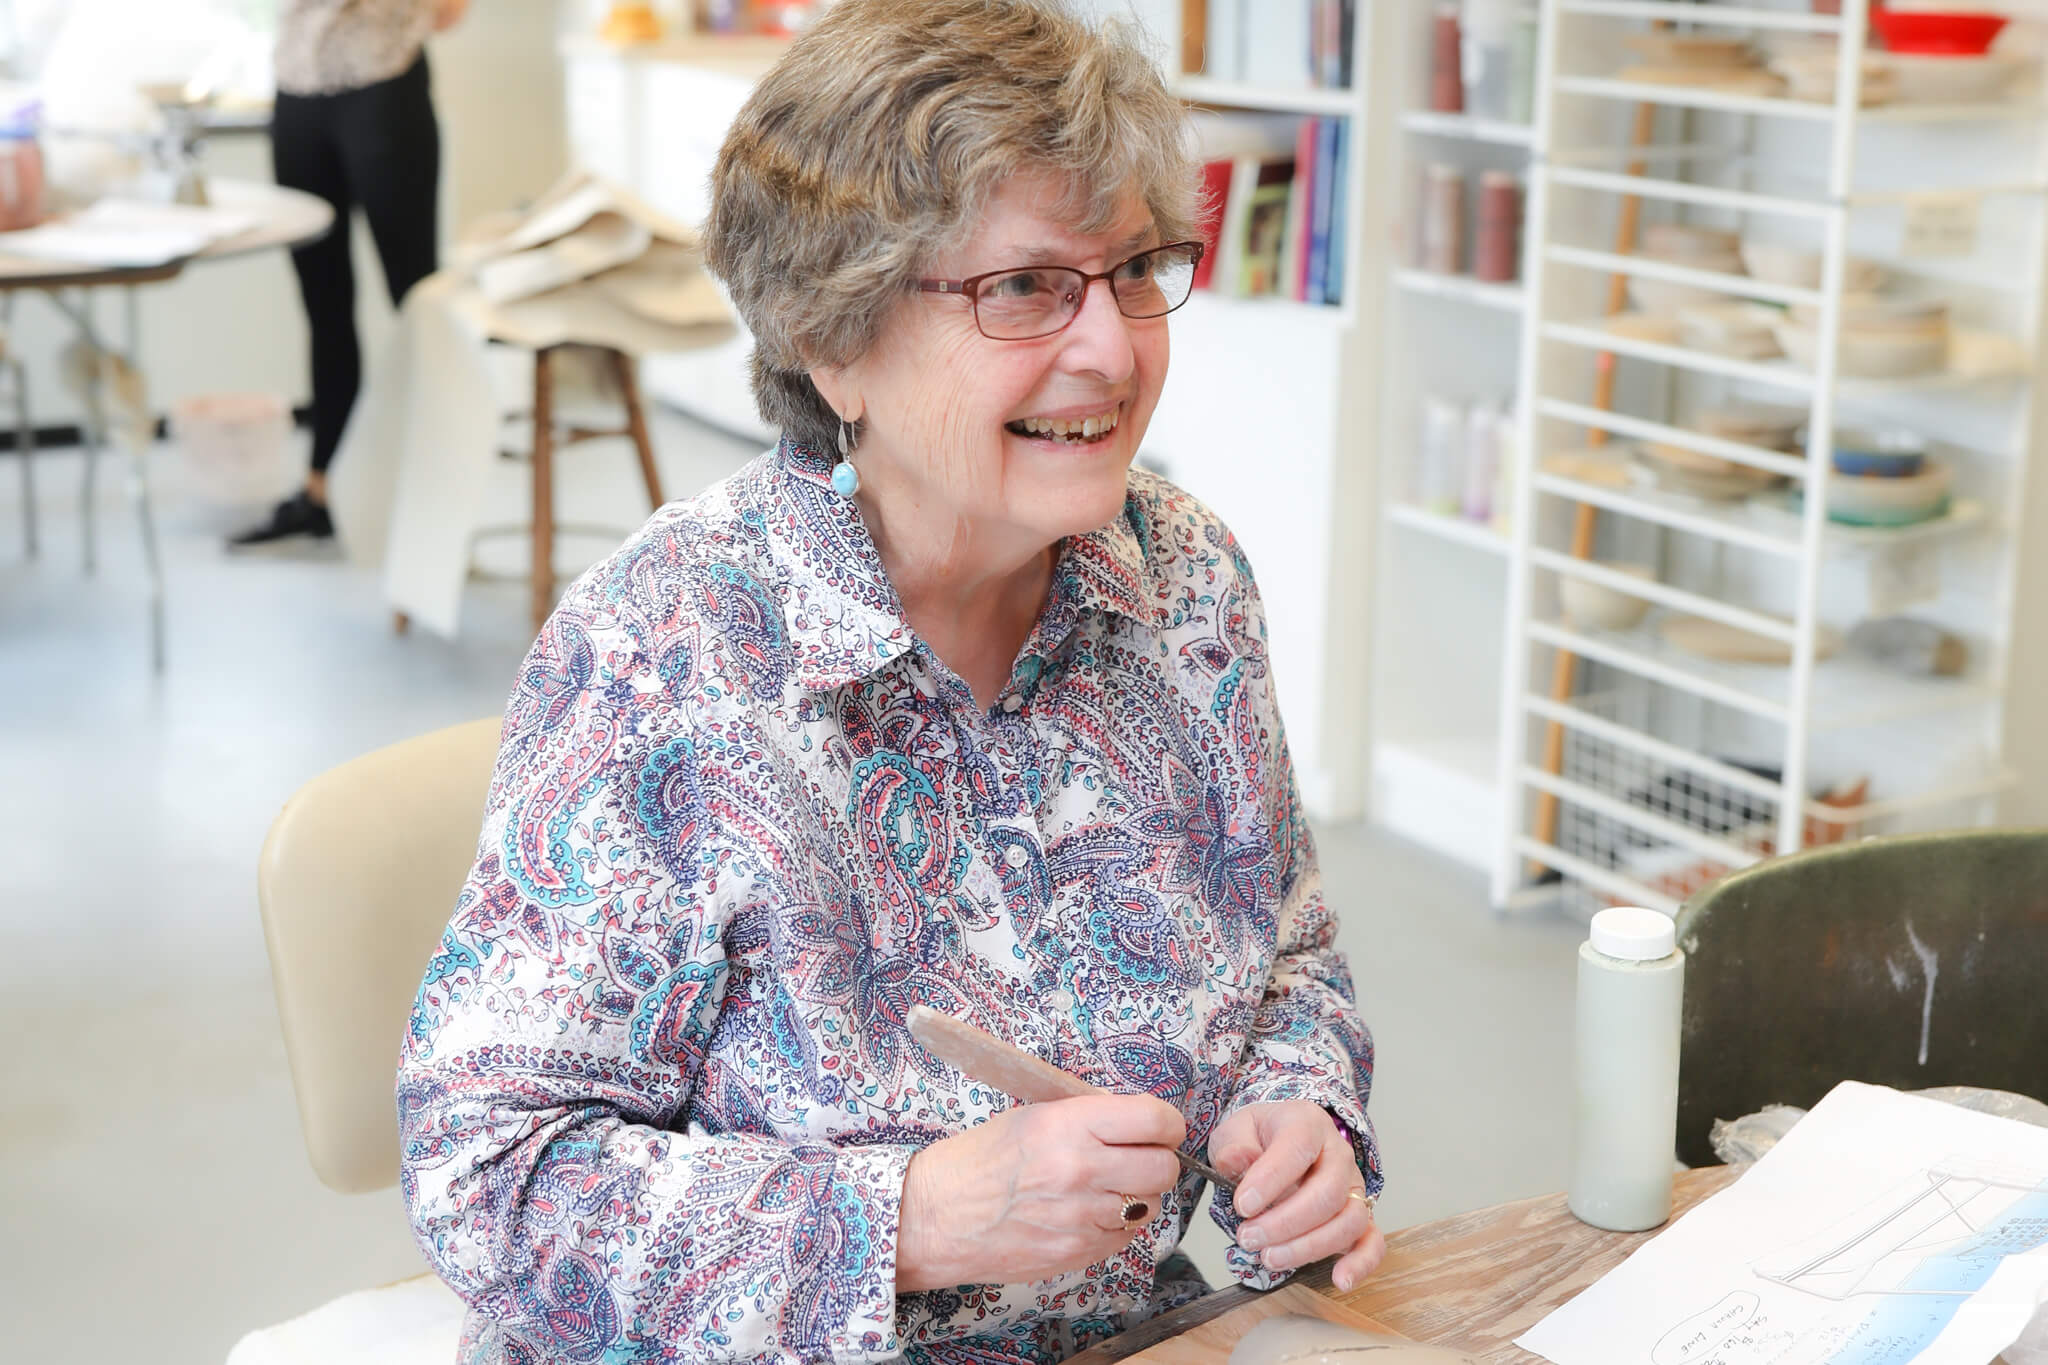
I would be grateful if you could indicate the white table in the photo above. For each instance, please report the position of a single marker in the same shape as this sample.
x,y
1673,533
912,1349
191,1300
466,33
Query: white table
x,y
283,218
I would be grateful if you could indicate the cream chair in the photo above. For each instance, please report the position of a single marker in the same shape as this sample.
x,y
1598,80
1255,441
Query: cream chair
x,y
356,883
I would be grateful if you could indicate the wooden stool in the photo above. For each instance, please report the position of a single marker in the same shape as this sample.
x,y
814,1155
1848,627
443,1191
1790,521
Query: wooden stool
x,y
546,440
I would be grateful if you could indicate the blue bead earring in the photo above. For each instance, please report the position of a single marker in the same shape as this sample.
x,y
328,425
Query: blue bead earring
x,y
845,478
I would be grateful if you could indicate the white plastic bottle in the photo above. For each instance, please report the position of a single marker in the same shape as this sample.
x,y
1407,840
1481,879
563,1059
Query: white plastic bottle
x,y
1625,1132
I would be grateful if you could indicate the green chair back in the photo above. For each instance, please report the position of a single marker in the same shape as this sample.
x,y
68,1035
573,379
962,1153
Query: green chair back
x,y
1912,961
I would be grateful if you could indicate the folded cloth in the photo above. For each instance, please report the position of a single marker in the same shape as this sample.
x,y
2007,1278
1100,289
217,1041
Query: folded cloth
x,y
408,485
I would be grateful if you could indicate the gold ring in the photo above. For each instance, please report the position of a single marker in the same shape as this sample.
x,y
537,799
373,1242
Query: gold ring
x,y
1358,1192
1135,1210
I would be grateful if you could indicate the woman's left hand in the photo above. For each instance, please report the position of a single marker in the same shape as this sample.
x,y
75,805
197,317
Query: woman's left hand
x,y
1295,1178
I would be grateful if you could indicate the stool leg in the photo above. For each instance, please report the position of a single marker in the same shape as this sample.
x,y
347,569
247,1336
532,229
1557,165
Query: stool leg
x,y
636,423
543,489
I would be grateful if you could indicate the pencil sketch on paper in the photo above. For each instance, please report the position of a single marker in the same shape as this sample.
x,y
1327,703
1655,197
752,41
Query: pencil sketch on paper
x,y
1908,1260
1941,1232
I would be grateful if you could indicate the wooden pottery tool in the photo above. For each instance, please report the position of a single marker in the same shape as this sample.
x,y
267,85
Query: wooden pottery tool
x,y
981,1056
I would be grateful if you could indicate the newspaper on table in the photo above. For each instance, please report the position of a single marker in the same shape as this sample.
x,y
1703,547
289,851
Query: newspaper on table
x,y
1884,1228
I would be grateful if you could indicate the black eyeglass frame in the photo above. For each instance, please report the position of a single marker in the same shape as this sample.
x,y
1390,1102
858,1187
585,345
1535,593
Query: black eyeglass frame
x,y
970,287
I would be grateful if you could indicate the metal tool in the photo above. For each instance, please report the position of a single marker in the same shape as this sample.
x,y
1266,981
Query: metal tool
x,y
981,1056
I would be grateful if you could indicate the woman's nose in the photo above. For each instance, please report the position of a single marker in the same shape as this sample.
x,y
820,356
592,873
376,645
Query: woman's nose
x,y
1098,341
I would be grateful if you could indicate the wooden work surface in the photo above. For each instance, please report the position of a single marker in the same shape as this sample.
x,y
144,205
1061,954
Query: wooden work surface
x,y
1474,1282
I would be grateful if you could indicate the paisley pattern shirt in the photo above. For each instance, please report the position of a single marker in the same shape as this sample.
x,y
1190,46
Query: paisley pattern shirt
x,y
656,1096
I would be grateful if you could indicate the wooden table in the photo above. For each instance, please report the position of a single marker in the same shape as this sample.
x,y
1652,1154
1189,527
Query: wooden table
x,y
1475,1281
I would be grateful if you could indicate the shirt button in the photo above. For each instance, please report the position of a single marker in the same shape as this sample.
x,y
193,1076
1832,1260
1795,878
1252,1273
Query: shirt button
x,y
1063,1000
1014,703
1015,855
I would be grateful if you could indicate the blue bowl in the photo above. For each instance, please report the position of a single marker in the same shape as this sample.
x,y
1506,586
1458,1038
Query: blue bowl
x,y
1886,454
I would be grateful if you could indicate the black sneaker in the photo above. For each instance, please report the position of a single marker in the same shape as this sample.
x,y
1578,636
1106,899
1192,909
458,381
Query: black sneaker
x,y
297,515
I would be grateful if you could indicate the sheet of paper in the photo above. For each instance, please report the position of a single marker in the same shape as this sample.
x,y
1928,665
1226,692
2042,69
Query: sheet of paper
x,y
126,232
1884,1228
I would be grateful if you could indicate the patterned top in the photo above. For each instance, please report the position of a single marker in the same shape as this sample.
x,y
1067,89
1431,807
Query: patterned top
x,y
657,1097
327,46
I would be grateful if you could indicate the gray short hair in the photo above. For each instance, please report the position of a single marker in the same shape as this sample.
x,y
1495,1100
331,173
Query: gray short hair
x,y
877,141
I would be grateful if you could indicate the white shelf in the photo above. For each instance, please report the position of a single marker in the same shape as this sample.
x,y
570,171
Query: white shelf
x,y
1756,523
1267,98
1445,527
1985,111
1694,97
1848,692
1507,298
1680,192
1965,516
1594,335
1688,13
1467,126
1210,307
1735,286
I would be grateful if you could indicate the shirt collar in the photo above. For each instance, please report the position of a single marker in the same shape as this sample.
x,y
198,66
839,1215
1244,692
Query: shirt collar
x,y
844,619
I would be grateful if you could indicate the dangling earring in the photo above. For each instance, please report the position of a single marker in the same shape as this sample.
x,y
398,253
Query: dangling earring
x,y
845,478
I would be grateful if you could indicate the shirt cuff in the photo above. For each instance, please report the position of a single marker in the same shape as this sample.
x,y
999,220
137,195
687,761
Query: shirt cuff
x,y
1351,1121
867,1196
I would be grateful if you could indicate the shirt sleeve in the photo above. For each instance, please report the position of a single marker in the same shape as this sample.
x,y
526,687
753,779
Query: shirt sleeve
x,y
560,1032
1307,1041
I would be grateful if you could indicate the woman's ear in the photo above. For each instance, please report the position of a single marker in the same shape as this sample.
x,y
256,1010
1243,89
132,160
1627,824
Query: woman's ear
x,y
840,390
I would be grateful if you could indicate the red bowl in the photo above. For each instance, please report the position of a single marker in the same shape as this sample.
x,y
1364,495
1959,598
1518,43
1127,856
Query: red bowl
x,y
1949,34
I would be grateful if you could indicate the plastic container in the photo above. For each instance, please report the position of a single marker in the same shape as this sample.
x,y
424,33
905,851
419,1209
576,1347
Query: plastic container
x,y
1625,1115
1439,470
1487,57
1496,256
1442,235
21,168
1523,31
234,445
1482,463
1446,59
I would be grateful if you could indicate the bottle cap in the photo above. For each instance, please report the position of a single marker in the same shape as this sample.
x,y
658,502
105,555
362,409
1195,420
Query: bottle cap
x,y
1633,934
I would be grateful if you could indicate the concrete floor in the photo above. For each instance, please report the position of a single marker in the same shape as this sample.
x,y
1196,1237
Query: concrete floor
x,y
154,1195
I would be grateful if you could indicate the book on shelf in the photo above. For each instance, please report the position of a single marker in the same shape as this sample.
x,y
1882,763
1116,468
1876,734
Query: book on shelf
x,y
1272,204
1280,43
1265,229
1333,274
1323,188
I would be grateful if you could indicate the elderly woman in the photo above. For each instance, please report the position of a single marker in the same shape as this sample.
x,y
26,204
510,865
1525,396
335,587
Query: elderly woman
x,y
939,703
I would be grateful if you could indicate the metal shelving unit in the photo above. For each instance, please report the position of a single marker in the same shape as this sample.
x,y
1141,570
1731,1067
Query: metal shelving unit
x,y
1634,770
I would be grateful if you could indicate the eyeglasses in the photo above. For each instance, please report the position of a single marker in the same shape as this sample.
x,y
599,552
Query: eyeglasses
x,y
1039,300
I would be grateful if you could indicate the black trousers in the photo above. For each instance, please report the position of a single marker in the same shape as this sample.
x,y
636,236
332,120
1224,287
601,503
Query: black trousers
x,y
377,147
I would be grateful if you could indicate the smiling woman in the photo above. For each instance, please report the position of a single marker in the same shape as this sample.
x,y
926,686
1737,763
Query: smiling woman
x,y
988,728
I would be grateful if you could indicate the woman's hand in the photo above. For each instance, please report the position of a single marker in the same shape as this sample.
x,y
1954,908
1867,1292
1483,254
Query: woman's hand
x,y
448,13
1295,1175
1034,1192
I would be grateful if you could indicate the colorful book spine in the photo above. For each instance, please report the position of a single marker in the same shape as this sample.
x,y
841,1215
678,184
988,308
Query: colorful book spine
x,y
1319,232
1333,282
1301,229
1215,195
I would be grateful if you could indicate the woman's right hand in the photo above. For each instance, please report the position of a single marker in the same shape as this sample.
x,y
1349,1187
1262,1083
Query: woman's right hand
x,y
1034,1192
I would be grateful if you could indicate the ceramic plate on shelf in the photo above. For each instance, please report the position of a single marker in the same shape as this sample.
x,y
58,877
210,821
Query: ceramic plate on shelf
x,y
1715,485
1731,644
